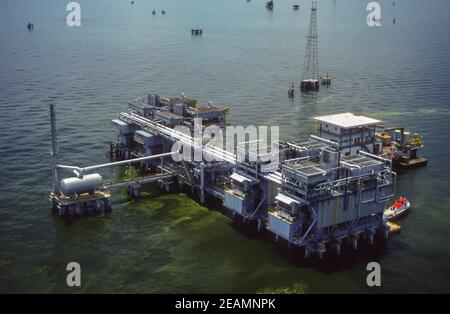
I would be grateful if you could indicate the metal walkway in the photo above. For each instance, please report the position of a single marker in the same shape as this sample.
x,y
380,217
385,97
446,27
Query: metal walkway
x,y
156,128
138,181
218,153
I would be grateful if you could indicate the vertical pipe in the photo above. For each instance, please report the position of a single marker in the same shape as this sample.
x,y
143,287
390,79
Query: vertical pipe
x,y
202,183
54,151
351,140
162,158
373,139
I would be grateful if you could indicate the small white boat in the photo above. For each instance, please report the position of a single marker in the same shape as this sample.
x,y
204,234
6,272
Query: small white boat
x,y
398,209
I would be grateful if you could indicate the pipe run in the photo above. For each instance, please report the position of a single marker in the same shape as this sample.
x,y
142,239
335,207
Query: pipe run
x,y
321,139
377,157
81,171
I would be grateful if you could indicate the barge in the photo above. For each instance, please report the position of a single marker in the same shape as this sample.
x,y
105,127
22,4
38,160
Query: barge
x,y
401,147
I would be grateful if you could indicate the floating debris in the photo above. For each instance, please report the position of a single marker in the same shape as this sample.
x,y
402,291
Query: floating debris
x,y
30,26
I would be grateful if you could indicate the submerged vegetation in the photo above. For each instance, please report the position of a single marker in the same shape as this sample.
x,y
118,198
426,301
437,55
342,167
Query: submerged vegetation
x,y
295,289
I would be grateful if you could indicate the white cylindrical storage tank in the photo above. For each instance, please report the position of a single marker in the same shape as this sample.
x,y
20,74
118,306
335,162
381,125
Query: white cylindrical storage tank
x,y
86,184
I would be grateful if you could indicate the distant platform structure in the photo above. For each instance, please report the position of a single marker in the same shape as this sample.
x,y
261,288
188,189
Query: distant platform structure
x,y
310,76
326,79
309,85
196,31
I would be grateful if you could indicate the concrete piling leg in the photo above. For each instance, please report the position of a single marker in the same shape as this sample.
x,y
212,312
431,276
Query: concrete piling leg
x,y
370,237
354,242
77,209
338,248
136,191
107,205
70,210
386,233
97,205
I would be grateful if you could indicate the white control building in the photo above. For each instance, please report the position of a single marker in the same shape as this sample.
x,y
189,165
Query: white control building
x,y
351,132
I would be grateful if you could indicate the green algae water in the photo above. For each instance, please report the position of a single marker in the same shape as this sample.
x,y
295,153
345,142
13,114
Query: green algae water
x,y
246,59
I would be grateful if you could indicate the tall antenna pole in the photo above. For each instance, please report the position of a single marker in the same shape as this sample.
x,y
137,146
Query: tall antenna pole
x,y
54,151
311,63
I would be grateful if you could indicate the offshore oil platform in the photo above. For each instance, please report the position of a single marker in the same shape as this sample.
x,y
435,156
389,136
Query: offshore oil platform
x,y
322,192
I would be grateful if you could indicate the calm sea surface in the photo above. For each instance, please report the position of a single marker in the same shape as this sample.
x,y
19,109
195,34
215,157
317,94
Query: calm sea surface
x,y
246,59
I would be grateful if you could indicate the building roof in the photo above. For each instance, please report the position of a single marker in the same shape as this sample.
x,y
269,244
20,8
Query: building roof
x,y
286,199
119,122
143,133
347,120
239,178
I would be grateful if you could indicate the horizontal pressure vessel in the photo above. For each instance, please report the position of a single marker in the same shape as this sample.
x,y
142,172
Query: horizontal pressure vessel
x,y
86,184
